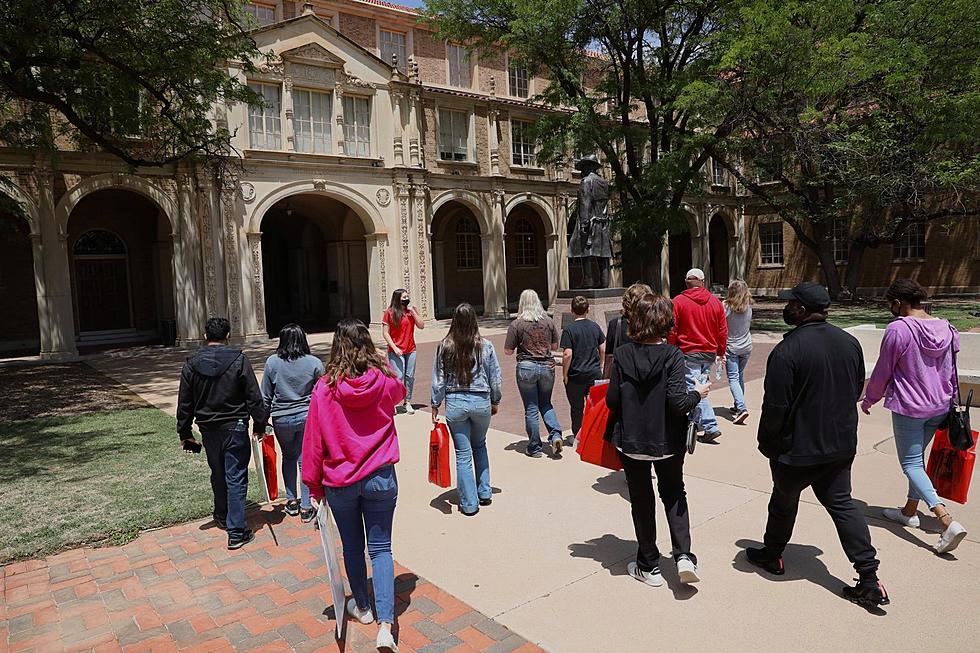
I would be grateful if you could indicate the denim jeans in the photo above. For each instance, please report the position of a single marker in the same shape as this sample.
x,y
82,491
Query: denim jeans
x,y
368,506
289,432
228,452
404,366
468,417
535,382
735,366
912,436
706,418
576,391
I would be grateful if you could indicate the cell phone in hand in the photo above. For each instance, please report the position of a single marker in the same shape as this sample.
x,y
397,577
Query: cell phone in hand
x,y
192,446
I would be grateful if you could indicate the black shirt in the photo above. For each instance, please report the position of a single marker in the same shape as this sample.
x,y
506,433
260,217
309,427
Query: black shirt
x,y
583,337
616,335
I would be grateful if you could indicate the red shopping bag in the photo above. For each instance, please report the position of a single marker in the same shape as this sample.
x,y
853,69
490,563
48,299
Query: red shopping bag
x,y
439,472
592,445
951,469
269,467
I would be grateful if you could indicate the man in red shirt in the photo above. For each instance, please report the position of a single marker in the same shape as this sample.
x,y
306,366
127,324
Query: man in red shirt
x,y
701,333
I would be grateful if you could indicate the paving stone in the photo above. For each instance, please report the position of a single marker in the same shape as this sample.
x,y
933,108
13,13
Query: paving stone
x,y
293,634
256,642
493,629
424,605
464,620
432,630
441,646
507,645
21,623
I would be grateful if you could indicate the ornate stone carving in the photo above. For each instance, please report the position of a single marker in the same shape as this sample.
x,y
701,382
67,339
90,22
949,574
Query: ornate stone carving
x,y
421,192
354,80
313,54
232,267
258,296
312,73
404,219
207,247
320,184
384,196
498,195
272,66
248,191
382,252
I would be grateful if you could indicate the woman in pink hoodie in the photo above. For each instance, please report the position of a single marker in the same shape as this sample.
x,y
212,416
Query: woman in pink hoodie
x,y
916,376
349,453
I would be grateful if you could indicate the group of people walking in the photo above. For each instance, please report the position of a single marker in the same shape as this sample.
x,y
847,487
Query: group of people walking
x,y
335,422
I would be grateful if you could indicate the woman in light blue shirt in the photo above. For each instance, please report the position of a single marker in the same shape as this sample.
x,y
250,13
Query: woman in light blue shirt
x,y
466,375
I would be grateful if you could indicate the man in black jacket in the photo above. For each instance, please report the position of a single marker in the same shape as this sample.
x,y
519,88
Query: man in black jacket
x,y
218,390
808,431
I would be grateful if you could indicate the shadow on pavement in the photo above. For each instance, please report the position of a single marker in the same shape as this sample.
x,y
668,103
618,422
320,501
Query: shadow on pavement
x,y
449,499
612,483
929,525
613,553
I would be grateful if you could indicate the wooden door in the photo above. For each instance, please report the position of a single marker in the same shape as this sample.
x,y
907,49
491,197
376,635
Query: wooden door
x,y
102,294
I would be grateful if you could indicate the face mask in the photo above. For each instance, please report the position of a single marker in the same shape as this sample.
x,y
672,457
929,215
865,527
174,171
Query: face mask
x,y
895,313
406,302
789,315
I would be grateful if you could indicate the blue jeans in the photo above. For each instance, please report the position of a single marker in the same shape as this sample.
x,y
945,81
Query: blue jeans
x,y
228,452
535,382
289,432
404,366
706,418
468,416
735,366
912,436
368,506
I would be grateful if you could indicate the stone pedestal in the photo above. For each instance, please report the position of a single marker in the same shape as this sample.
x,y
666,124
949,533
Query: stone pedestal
x,y
604,305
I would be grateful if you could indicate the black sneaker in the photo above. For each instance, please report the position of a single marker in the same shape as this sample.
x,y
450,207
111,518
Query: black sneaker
x,y
307,515
766,560
867,594
709,438
292,507
486,502
237,542
220,523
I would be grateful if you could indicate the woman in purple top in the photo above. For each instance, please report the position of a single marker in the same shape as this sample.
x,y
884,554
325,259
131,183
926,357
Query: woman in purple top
x,y
915,374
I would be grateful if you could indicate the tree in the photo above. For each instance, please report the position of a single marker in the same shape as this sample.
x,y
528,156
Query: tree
x,y
136,79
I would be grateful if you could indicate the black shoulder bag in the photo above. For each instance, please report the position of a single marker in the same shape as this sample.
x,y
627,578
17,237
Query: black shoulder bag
x,y
958,420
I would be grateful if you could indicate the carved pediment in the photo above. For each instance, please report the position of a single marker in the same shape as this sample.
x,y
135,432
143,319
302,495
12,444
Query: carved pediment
x,y
313,54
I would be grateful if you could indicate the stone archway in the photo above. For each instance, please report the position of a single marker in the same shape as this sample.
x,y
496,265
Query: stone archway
x,y
20,333
458,261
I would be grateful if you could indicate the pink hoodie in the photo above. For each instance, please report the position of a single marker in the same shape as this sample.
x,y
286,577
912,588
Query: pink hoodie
x,y
350,430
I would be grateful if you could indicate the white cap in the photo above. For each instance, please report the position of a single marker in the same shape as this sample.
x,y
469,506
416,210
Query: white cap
x,y
695,272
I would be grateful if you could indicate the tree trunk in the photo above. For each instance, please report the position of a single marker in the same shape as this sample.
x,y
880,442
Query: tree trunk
x,y
651,273
855,257
825,254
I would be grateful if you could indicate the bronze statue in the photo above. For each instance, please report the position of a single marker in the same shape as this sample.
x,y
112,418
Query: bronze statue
x,y
590,239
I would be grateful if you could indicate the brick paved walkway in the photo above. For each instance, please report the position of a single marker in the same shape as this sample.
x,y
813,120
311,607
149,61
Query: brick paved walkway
x,y
180,589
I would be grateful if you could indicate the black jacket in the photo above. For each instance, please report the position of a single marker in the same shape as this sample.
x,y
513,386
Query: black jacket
x,y
217,389
814,378
648,399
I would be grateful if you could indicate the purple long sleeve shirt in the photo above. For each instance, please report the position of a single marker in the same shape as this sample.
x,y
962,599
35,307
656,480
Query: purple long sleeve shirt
x,y
914,372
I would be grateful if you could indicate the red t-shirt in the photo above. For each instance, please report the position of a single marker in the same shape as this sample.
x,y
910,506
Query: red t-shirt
x,y
402,334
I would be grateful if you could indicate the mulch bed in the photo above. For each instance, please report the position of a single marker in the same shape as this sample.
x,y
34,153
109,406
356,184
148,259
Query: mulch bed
x,y
57,390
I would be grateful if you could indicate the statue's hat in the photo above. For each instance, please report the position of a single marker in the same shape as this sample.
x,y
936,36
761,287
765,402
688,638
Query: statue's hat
x,y
588,161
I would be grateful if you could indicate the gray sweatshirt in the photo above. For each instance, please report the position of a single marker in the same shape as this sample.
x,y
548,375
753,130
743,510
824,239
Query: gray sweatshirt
x,y
739,335
287,385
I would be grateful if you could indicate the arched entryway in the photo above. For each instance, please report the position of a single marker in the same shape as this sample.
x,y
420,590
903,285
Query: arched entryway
x,y
679,259
314,264
527,254
19,331
121,255
457,259
719,251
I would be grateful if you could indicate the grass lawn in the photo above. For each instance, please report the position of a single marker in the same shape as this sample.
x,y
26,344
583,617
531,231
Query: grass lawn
x,y
767,316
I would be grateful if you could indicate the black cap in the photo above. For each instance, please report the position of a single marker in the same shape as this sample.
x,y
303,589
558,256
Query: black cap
x,y
812,295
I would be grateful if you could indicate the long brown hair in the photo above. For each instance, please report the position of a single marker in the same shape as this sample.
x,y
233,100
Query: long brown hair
x,y
462,346
738,298
353,353
633,294
396,308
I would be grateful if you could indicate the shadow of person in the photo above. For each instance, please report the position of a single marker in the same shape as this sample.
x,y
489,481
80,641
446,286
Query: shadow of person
x,y
928,524
723,412
445,502
520,447
681,591
608,550
611,484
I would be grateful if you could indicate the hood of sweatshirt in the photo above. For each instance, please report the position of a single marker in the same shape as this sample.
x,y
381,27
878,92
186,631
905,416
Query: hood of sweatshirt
x,y
212,360
644,363
933,337
360,391
698,295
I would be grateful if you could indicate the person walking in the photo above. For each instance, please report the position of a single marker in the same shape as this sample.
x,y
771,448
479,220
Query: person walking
x,y
398,328
533,336
648,401
701,333
466,375
349,453
916,374
808,431
287,384
219,392
738,316
583,348
616,331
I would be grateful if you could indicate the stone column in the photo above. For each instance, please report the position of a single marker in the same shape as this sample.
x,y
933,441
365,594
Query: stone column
x,y
494,142
257,284
399,142
414,147
423,291
495,262
665,265
551,252
377,255
188,277
338,116
56,314
209,224
562,228
402,191
233,266
287,112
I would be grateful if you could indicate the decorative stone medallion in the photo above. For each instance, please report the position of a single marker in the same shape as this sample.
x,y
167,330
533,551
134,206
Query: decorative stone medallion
x,y
384,196
248,191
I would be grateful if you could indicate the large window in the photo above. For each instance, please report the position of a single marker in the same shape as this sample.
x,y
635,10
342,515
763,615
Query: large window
x,y
393,43
459,66
526,254
264,123
912,243
468,252
312,112
263,14
357,126
842,239
718,174
454,131
521,143
771,243
517,77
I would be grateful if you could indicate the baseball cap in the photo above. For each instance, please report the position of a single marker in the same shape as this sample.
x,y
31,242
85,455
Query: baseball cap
x,y
695,272
812,295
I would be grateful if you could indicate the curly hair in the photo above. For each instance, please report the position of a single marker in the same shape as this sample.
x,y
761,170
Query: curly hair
x,y
353,353
907,290
634,294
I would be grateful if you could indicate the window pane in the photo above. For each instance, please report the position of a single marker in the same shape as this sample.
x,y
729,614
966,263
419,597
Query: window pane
x,y
771,243
393,43
469,255
522,147
262,14
459,66
717,174
912,243
264,123
526,248
517,76
357,126
841,237
454,129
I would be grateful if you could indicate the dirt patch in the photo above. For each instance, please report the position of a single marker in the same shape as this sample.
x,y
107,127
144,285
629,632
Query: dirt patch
x,y
55,390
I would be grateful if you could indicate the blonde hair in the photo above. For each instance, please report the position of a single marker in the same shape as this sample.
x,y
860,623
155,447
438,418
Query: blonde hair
x,y
529,307
738,298
633,294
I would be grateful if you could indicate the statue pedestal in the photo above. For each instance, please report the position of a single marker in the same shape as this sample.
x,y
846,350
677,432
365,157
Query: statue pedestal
x,y
604,305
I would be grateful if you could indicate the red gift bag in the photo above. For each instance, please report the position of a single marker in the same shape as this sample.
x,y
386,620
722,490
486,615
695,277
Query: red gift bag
x,y
269,467
950,469
592,445
439,472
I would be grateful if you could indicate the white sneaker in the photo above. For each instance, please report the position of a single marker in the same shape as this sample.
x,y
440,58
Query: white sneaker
x,y
652,578
386,641
363,616
896,515
409,408
951,538
687,570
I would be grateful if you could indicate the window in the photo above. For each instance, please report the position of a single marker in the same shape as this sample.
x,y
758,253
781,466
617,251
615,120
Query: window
x,y
357,126
771,243
468,251
717,174
264,126
459,66
912,243
311,118
393,43
263,15
454,131
521,143
842,239
99,242
525,245
517,77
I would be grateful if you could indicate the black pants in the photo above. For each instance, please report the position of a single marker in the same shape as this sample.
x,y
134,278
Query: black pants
x,y
831,483
643,504
228,453
577,391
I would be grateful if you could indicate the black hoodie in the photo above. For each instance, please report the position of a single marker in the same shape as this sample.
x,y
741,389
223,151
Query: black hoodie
x,y
217,389
649,400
